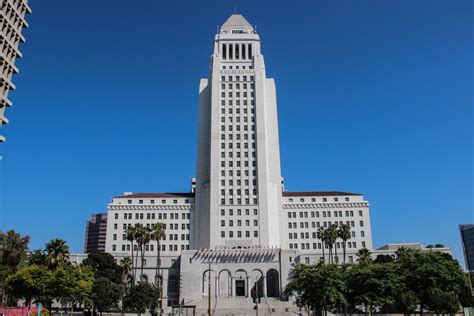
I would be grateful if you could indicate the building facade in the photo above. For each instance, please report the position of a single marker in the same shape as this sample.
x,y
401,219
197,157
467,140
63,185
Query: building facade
x,y
96,229
238,232
12,22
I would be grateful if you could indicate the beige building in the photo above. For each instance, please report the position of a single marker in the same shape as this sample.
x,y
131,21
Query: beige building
x,y
12,21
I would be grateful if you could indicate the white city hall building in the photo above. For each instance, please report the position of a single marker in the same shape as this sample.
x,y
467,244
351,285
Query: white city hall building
x,y
237,227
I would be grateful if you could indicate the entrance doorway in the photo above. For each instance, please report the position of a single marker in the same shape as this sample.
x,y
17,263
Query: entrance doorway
x,y
240,287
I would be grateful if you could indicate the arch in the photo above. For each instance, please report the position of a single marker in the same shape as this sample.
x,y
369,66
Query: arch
x,y
241,282
273,283
173,284
205,282
257,283
225,283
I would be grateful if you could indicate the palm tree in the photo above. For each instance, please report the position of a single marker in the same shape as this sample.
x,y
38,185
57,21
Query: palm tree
x,y
57,253
130,235
364,256
126,266
331,236
344,233
143,237
13,249
158,233
321,236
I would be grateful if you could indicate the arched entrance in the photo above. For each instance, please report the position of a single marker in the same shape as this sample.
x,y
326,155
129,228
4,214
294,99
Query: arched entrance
x,y
257,283
205,283
240,280
225,284
273,283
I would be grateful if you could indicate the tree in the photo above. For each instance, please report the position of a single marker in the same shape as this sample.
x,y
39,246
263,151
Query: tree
x,y
372,285
126,267
383,259
318,287
57,253
32,283
130,235
141,297
363,256
321,235
158,233
435,279
103,265
13,253
105,294
143,237
344,233
331,237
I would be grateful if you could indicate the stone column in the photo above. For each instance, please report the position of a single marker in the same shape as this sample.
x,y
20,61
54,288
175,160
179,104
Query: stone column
x,y
249,288
217,287
264,286
232,286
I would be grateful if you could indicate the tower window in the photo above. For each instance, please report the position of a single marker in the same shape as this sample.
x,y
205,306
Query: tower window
x,y
224,51
243,52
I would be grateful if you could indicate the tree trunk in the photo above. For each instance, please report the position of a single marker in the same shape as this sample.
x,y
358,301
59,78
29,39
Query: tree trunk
x,y
344,251
335,250
133,281
136,262
421,309
324,259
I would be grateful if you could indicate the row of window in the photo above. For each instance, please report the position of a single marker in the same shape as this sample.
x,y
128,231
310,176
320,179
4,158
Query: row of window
x,y
237,111
239,222
239,201
324,224
239,182
230,212
237,120
237,128
230,94
306,235
153,215
153,201
237,78
239,192
237,102
239,234
230,163
302,200
324,214
170,237
236,67
151,248
237,86
236,51
306,246
152,226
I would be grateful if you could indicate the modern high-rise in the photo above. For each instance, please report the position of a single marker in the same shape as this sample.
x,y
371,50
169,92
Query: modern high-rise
x,y
238,217
12,21
96,229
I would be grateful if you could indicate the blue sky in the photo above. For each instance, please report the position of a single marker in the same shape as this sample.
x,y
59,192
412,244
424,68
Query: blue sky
x,y
374,97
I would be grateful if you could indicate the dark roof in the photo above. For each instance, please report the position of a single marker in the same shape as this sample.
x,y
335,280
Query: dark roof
x,y
318,193
156,195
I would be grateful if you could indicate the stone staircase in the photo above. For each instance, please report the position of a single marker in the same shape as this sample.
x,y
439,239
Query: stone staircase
x,y
243,306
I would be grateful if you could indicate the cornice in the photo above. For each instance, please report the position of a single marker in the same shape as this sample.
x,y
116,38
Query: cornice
x,y
112,207
324,205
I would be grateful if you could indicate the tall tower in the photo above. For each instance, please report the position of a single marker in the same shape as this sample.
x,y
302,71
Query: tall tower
x,y
238,185
12,21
